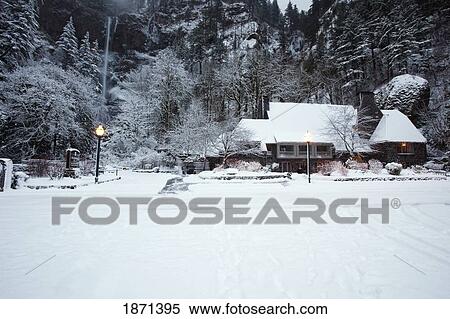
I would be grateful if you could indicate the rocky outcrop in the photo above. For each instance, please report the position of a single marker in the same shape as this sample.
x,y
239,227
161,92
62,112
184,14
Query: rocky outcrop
x,y
87,16
407,93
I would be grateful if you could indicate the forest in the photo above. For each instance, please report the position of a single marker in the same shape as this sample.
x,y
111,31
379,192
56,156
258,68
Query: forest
x,y
178,74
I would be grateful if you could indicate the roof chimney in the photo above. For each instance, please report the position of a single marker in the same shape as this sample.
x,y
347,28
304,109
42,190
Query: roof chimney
x,y
367,104
368,107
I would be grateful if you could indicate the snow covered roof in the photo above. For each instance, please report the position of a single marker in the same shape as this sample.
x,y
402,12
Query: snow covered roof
x,y
260,131
396,127
291,121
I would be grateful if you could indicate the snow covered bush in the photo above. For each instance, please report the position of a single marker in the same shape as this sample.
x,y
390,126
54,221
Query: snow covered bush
x,y
87,168
375,166
19,179
434,166
245,166
418,169
145,158
38,167
353,164
55,170
333,168
394,168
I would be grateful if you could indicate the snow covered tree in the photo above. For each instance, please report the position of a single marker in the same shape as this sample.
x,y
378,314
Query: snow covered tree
x,y
231,77
18,32
349,128
45,109
165,86
67,46
232,140
437,127
88,61
133,128
194,134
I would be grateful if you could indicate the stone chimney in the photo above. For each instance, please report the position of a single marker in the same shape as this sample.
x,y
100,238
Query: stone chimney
x,y
368,108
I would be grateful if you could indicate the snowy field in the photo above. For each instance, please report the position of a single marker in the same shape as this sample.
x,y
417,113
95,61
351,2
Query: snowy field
x,y
409,258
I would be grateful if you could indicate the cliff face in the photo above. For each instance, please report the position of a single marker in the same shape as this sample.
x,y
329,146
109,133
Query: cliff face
x,y
88,15
149,26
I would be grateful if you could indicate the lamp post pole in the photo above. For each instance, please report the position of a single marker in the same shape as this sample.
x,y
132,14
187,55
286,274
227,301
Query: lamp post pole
x,y
97,165
99,132
308,139
308,159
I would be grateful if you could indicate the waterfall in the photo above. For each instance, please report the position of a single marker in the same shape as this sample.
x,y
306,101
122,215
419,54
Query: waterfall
x,y
105,66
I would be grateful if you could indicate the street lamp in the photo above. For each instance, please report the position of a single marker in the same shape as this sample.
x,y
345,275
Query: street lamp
x,y
99,132
308,139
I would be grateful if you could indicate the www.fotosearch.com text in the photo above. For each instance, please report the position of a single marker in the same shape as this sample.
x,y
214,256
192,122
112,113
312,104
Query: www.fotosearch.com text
x,y
216,210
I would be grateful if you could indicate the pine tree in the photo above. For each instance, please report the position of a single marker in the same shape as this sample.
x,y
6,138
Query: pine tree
x,y
96,61
67,46
275,14
18,32
89,60
86,59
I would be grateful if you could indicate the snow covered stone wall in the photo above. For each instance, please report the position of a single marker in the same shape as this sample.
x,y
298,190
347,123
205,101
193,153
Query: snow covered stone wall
x,y
407,93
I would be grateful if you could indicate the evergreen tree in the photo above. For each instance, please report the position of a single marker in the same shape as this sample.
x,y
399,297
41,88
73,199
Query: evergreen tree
x,y
86,59
67,46
292,18
89,60
275,14
18,32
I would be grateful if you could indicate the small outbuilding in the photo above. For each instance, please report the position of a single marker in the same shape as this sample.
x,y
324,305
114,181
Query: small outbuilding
x,y
396,139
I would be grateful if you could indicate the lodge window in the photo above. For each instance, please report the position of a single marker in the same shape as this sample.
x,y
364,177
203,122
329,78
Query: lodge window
x,y
405,148
286,149
322,149
302,149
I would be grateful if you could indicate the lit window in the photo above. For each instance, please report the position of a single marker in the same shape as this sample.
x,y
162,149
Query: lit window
x,y
405,148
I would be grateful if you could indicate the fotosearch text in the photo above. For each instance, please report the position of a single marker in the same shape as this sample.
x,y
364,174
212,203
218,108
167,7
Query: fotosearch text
x,y
216,210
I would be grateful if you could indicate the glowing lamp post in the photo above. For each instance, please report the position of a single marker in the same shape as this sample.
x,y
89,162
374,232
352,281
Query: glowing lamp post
x,y
308,139
99,132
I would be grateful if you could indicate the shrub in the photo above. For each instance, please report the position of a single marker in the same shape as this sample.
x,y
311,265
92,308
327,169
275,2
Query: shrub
x,y
38,167
375,166
335,168
87,167
19,179
55,170
353,164
394,168
433,165
418,169
245,166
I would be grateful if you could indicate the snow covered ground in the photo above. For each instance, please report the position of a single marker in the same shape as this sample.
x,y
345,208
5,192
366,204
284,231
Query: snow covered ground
x,y
410,257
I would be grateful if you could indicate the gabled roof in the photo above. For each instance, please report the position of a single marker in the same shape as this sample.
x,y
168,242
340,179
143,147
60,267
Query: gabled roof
x,y
396,127
260,130
291,121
